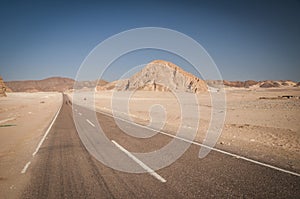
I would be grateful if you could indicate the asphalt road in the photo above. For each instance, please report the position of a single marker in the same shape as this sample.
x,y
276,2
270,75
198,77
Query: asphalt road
x,y
63,168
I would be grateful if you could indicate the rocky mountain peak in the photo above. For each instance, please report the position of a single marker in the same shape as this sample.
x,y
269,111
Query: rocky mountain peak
x,y
160,75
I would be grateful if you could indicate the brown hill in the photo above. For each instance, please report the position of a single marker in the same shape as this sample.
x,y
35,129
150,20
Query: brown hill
x,y
245,84
269,84
50,84
56,84
160,75
276,83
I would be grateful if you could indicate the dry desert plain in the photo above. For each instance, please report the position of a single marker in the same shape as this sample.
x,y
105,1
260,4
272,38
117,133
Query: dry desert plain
x,y
24,118
258,125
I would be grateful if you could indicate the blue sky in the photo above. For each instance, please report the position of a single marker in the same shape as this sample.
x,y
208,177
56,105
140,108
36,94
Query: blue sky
x,y
246,39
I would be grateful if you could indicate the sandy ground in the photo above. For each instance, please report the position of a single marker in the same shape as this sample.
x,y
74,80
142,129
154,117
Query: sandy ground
x,y
24,118
267,130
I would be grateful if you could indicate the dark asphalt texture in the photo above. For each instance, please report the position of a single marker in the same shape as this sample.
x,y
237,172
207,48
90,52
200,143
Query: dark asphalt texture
x,y
63,168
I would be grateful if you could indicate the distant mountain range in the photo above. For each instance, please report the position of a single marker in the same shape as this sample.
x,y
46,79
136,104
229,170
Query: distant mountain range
x,y
161,75
59,84
254,84
158,75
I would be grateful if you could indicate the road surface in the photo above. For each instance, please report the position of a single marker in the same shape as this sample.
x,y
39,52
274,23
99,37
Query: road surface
x,y
63,168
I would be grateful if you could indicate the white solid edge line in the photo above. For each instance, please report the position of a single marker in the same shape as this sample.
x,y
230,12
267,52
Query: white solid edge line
x,y
25,167
139,162
199,144
235,155
45,135
90,122
213,149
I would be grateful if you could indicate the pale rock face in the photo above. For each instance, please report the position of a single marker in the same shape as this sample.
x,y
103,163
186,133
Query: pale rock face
x,y
2,88
161,75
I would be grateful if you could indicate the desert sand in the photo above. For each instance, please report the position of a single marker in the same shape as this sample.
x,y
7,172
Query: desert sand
x,y
24,118
258,124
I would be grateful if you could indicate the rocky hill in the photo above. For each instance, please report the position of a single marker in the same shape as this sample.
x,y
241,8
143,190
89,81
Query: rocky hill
x,y
2,88
159,75
89,84
253,84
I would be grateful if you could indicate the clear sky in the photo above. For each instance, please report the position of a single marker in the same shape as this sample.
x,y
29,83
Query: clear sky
x,y
246,39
